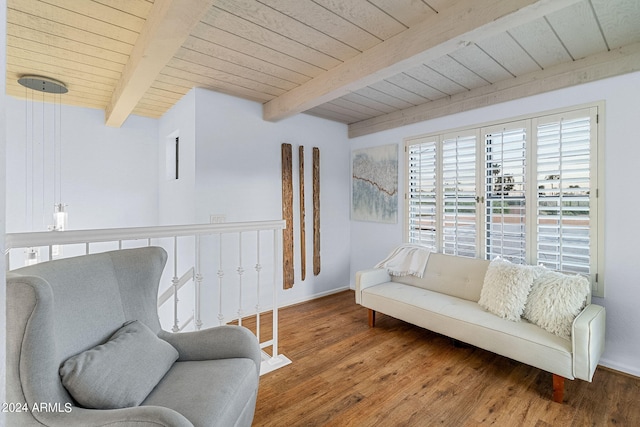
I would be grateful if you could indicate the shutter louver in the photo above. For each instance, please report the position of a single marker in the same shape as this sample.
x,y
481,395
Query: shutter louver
x,y
459,228
564,188
505,184
422,194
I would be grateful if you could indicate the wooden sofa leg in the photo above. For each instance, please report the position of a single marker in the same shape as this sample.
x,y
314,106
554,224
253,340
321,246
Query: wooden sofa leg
x,y
372,318
558,388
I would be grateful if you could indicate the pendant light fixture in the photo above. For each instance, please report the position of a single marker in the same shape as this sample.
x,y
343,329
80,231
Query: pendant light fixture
x,y
47,85
43,84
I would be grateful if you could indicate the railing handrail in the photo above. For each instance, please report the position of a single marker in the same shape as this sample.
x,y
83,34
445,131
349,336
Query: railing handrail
x,y
69,237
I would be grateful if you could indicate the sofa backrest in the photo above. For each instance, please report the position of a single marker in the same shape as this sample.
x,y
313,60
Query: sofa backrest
x,y
60,308
457,276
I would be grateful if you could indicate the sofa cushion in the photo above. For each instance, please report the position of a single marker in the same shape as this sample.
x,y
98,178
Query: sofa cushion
x,y
225,391
450,275
505,289
555,300
121,372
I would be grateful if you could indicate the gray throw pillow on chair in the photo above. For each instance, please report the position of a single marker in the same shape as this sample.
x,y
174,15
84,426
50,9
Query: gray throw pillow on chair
x,y
121,372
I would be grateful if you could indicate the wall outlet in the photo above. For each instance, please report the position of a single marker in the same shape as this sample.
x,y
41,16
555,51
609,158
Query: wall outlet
x,y
217,218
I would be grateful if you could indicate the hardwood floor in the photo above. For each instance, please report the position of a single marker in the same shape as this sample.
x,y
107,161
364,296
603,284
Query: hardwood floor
x,y
346,374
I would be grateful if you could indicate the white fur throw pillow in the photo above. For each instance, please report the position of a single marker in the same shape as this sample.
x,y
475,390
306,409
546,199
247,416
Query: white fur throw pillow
x,y
555,300
505,289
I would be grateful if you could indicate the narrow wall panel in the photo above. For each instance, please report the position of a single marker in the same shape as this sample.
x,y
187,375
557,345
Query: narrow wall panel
x,y
287,215
303,246
316,211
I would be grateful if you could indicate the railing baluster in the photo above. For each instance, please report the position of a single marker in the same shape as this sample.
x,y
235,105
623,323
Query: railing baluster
x,y
276,262
198,284
220,276
175,282
258,269
240,271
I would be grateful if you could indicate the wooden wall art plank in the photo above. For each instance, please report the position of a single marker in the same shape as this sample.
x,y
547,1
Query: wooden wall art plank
x,y
287,215
316,211
303,246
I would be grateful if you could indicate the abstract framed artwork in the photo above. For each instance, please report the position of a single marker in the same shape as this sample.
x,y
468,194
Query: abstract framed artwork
x,y
374,189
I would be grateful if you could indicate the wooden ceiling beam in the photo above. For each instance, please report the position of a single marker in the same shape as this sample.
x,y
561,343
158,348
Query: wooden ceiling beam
x,y
464,22
166,29
622,60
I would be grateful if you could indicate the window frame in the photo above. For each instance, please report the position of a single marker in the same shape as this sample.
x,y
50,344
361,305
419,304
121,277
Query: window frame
x,y
594,110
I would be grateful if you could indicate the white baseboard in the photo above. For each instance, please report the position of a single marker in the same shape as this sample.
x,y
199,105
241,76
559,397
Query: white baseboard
x,y
315,296
624,369
268,308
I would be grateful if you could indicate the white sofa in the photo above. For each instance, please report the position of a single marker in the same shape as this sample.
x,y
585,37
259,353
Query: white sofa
x,y
445,300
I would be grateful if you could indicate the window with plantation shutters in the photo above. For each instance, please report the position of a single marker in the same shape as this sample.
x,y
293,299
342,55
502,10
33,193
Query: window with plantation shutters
x,y
458,184
524,190
564,192
422,193
505,192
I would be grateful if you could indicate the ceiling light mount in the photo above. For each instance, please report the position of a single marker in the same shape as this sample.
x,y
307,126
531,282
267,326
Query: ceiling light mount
x,y
43,84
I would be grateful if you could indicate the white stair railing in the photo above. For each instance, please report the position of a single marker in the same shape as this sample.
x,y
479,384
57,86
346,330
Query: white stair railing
x,y
209,245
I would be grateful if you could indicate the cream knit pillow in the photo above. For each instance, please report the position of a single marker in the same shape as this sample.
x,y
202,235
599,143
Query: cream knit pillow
x,y
555,300
505,289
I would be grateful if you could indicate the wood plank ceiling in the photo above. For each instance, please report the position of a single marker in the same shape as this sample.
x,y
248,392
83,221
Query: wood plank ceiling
x,y
373,64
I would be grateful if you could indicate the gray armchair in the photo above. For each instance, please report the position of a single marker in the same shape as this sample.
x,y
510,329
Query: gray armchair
x,y
71,339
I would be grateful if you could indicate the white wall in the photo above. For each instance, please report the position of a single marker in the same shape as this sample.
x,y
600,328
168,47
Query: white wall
x,y
622,156
177,201
239,175
236,158
109,175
